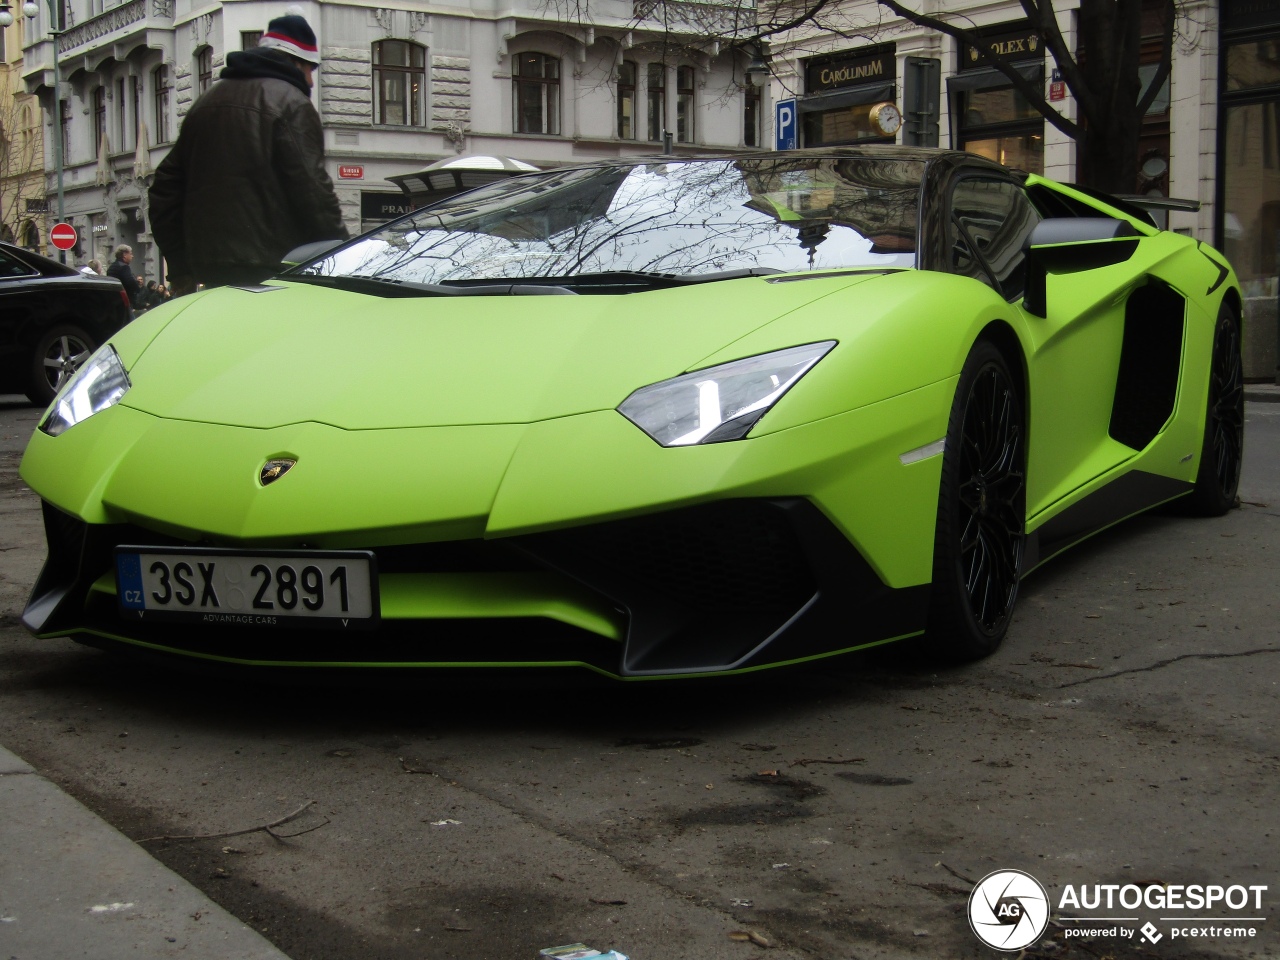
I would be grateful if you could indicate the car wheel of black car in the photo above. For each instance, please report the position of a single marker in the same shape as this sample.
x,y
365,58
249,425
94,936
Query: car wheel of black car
x,y
58,355
981,511
1222,451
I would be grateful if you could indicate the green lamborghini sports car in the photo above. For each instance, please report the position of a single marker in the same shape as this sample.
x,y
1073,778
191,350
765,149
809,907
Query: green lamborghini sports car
x,y
653,417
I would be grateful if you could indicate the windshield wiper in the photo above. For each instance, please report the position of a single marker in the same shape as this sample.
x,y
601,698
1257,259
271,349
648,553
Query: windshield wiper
x,y
653,281
382,287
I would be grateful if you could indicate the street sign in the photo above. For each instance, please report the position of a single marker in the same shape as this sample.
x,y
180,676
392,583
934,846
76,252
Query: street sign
x,y
784,125
63,236
350,171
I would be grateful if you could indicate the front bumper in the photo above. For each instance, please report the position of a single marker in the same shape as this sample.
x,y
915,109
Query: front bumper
x,y
728,586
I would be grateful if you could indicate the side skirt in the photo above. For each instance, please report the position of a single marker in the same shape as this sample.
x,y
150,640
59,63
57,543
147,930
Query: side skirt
x,y
1125,496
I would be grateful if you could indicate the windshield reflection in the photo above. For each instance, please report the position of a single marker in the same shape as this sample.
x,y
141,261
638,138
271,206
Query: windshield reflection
x,y
681,217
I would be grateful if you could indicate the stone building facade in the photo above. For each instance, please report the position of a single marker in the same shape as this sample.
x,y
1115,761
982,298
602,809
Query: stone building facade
x,y
397,88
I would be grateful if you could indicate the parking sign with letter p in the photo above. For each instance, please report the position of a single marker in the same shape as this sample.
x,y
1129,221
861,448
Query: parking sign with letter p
x,y
784,125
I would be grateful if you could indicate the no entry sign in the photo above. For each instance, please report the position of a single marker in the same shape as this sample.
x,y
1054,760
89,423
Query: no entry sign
x,y
63,236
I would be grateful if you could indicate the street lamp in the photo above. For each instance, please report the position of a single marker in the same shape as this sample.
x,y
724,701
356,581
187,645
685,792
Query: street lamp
x,y
757,69
30,10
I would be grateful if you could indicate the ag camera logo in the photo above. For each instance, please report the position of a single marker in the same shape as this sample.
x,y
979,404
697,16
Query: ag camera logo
x,y
1008,910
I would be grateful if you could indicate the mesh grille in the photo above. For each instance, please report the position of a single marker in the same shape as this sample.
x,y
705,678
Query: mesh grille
x,y
733,555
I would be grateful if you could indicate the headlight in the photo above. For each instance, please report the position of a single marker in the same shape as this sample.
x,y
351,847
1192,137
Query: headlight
x,y
99,384
719,403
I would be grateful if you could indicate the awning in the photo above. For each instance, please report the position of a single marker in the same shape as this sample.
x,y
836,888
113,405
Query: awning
x,y
991,77
850,97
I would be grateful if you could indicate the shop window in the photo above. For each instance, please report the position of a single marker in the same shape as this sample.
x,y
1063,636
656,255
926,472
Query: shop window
x,y
684,105
627,100
656,99
399,83
840,91
989,116
1001,125
535,79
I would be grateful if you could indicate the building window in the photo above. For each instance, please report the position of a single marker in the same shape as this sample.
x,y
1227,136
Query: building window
x,y
751,117
684,104
535,80
64,111
161,118
99,119
122,123
204,69
627,100
399,82
656,91
249,39
135,90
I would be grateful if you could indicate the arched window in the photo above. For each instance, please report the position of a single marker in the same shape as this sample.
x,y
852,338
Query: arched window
x,y
627,100
204,69
657,100
684,104
535,98
99,119
160,80
399,83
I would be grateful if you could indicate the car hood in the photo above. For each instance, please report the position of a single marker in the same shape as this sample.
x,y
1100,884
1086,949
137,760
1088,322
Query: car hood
x,y
302,353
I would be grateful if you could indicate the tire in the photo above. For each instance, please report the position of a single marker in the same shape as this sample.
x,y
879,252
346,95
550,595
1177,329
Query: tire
x,y
1222,451
58,355
982,508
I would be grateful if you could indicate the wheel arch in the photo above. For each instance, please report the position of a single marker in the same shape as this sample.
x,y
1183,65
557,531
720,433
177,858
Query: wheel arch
x,y
1232,301
1005,339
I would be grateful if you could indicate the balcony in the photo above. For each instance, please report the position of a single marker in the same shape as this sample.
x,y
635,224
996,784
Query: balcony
x,y
715,18
111,34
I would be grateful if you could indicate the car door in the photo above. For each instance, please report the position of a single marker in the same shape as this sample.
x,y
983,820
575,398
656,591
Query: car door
x,y
1074,350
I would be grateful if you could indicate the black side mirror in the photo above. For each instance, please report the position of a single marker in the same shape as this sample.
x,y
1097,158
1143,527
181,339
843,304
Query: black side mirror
x,y
1072,244
308,251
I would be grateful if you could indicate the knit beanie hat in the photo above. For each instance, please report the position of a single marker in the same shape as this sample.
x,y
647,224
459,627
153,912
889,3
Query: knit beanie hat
x,y
291,34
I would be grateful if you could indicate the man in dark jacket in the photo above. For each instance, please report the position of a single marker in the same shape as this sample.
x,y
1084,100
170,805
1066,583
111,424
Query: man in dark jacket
x,y
246,183
121,257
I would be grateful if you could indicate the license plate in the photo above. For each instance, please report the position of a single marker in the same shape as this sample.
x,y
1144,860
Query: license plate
x,y
248,588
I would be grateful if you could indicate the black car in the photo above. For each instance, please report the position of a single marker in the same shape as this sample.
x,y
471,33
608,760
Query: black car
x,y
52,317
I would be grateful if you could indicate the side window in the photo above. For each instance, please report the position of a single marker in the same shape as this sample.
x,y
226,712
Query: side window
x,y
11,267
990,222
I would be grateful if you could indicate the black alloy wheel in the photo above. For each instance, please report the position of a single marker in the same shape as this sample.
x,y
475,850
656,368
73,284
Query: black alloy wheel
x,y
982,509
59,353
1221,454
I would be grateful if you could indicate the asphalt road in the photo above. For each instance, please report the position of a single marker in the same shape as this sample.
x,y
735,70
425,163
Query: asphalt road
x,y
1124,734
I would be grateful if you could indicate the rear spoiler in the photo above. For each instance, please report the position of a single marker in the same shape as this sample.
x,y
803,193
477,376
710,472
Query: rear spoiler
x,y
1160,203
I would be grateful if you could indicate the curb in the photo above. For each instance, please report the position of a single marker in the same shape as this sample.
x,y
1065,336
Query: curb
x,y
71,885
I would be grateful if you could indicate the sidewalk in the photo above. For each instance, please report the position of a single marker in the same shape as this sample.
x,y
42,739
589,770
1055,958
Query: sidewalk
x,y
72,886
1262,392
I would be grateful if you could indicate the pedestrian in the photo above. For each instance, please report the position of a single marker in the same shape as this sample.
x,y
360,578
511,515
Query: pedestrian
x,y
245,183
149,297
121,257
96,267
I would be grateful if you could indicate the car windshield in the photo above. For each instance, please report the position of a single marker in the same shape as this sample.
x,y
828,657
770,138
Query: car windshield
x,y
658,218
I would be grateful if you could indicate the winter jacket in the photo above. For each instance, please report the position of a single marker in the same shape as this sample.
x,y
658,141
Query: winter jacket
x,y
122,272
245,183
